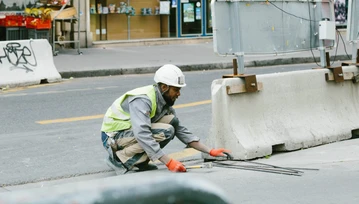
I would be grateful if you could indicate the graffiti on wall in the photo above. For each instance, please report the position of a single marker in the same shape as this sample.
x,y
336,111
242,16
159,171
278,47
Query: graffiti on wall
x,y
19,56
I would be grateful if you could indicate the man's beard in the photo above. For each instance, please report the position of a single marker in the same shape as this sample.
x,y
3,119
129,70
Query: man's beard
x,y
168,100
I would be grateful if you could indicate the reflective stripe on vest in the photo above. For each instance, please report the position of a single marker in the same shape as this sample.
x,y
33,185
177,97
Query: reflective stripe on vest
x,y
116,119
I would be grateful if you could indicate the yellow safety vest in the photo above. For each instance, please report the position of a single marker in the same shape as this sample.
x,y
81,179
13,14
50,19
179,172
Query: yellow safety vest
x,y
116,119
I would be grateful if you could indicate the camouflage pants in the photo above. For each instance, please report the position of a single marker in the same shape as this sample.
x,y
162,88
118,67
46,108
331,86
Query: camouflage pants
x,y
129,152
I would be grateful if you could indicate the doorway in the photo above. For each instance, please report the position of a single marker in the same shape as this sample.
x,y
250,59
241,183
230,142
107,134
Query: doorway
x,y
191,17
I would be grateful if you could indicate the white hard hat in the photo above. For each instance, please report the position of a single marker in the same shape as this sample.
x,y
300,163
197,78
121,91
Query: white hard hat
x,y
170,75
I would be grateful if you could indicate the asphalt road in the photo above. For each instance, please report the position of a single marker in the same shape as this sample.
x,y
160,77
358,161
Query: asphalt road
x,y
34,147
51,131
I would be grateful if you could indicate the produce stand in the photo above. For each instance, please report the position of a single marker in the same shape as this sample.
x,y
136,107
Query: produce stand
x,y
12,28
39,22
66,14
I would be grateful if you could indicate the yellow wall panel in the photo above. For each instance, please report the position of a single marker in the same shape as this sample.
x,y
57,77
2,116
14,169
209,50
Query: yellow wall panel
x,y
116,25
145,27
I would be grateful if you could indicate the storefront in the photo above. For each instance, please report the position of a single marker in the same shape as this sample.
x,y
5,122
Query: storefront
x,y
113,20
175,19
145,19
132,19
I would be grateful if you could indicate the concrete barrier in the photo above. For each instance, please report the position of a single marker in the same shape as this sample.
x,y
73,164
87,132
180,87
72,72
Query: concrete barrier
x,y
293,110
125,189
26,62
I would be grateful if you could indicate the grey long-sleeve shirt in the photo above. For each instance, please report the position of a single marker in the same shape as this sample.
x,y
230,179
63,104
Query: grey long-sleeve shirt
x,y
139,108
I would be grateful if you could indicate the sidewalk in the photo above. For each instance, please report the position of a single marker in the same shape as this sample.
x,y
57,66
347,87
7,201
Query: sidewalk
x,y
329,175
112,60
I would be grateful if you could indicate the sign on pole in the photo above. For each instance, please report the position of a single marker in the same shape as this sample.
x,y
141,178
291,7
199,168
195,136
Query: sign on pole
x,y
265,27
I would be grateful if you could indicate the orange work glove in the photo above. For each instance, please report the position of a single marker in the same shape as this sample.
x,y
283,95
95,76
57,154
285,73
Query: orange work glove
x,y
175,166
218,152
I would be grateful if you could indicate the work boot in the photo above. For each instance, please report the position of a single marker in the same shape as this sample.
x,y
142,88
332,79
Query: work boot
x,y
145,166
115,165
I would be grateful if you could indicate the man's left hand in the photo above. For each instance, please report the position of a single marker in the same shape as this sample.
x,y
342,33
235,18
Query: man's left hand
x,y
218,152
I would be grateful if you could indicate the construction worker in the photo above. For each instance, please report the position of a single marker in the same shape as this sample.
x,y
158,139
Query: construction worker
x,y
142,121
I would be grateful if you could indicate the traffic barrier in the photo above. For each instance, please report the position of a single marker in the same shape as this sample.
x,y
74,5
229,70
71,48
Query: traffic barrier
x,y
142,188
26,62
294,110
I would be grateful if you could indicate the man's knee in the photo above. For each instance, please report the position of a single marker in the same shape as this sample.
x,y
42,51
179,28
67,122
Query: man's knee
x,y
174,122
161,131
170,132
170,119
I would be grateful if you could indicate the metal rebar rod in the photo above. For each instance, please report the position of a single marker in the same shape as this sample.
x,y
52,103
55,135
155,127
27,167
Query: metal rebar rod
x,y
294,168
235,67
260,170
264,167
289,168
279,167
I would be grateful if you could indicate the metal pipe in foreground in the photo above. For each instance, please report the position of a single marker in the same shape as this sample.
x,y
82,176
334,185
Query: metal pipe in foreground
x,y
125,189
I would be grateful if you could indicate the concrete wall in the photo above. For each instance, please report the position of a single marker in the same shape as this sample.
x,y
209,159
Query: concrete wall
x,y
26,62
294,110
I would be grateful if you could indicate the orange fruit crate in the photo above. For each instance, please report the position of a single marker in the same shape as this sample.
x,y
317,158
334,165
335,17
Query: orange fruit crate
x,y
12,21
38,23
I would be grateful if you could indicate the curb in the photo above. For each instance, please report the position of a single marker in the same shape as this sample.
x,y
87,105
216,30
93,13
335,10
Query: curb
x,y
141,70
151,42
195,67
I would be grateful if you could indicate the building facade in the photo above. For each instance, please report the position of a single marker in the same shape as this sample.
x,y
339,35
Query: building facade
x,y
145,19
123,20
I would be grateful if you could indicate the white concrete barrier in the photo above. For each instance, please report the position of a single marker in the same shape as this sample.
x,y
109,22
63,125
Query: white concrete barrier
x,y
26,62
293,110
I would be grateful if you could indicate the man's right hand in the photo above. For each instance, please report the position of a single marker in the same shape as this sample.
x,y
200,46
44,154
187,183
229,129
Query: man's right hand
x,y
175,166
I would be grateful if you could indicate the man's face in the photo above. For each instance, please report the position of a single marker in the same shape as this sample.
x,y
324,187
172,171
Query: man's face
x,y
171,95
